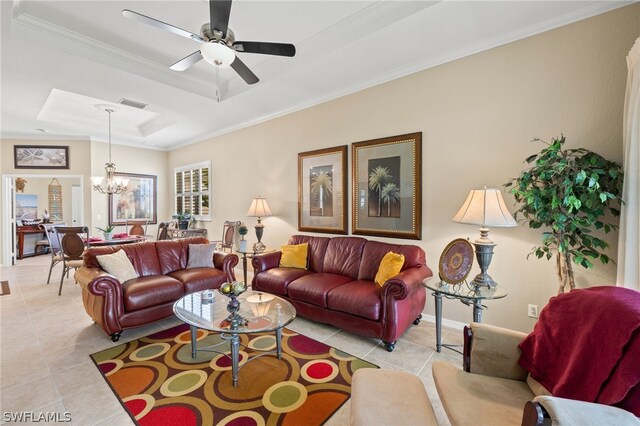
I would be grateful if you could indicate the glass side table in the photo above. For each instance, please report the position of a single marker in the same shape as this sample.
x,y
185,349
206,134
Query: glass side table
x,y
467,294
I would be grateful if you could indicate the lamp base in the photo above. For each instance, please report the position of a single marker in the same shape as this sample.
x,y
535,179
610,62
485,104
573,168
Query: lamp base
x,y
484,253
259,247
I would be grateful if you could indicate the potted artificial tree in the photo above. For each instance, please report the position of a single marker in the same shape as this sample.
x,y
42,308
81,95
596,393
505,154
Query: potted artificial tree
x,y
242,244
107,232
570,194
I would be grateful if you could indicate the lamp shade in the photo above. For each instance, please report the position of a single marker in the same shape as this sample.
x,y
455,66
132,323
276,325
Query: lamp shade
x,y
485,207
259,208
217,54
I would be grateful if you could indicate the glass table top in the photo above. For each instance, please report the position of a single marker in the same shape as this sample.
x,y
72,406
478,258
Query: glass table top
x,y
465,290
262,312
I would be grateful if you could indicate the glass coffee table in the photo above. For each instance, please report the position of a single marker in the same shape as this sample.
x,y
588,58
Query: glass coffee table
x,y
257,313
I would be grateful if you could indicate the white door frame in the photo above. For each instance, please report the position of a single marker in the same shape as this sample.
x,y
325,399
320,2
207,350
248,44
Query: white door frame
x,y
8,180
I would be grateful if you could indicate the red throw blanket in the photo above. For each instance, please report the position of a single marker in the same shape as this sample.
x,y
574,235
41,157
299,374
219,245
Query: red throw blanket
x,y
586,346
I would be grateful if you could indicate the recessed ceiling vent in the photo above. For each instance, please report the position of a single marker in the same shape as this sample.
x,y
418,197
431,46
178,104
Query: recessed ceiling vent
x,y
135,104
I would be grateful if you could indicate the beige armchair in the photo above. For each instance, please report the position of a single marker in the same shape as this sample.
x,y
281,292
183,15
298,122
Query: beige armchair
x,y
490,389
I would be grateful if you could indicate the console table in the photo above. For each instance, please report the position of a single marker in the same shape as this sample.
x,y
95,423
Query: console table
x,y
22,231
467,294
174,233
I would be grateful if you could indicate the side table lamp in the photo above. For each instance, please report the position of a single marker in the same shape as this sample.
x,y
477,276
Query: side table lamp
x,y
259,208
484,207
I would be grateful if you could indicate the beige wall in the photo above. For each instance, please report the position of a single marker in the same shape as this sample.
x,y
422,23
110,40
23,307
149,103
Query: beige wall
x,y
87,159
477,116
131,160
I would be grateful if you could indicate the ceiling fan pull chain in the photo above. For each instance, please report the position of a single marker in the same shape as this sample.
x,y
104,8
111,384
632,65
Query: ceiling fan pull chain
x,y
218,84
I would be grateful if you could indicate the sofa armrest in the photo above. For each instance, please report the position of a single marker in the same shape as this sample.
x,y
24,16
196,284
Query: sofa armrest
x,y
266,261
226,262
104,302
494,352
405,283
565,412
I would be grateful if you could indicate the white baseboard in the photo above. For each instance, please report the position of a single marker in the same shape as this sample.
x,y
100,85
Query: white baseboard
x,y
445,322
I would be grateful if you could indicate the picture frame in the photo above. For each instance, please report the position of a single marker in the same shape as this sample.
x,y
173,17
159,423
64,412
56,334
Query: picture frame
x,y
139,202
387,187
322,190
40,157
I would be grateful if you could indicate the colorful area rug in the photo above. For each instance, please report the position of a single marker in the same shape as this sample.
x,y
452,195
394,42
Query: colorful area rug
x,y
159,383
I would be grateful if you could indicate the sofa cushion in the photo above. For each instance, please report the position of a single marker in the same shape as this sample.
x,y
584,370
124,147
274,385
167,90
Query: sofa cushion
x,y
198,279
361,298
343,256
118,265
153,290
374,251
294,256
144,258
467,397
390,266
201,255
317,249
314,288
276,280
174,254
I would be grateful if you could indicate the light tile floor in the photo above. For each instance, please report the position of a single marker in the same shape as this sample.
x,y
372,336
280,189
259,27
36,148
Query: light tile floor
x,y
46,339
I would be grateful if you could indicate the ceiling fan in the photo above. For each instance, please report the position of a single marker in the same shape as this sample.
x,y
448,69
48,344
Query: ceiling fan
x,y
218,43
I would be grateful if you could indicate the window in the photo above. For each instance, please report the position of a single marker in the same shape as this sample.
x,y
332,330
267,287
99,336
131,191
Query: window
x,y
193,192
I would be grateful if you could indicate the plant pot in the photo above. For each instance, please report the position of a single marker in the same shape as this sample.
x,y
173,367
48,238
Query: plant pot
x,y
242,245
183,224
107,236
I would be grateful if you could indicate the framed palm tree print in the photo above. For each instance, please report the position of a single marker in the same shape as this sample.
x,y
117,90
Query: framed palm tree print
x,y
387,176
322,189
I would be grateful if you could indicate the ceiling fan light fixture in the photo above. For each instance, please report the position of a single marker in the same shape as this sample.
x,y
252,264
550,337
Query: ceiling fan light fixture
x,y
217,54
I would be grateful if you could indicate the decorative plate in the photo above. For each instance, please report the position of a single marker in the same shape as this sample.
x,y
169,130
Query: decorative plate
x,y
456,261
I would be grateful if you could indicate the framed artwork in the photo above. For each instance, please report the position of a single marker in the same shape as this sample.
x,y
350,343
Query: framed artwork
x,y
26,206
387,193
40,157
137,203
322,189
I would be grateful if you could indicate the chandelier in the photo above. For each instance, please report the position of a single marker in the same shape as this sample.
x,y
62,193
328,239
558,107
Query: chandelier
x,y
109,184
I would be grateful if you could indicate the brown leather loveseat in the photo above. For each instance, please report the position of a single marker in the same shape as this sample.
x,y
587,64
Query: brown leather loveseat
x,y
163,279
338,285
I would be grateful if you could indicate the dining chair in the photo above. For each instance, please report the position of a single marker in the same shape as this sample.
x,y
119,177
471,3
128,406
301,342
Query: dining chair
x,y
138,226
163,231
54,245
229,232
73,241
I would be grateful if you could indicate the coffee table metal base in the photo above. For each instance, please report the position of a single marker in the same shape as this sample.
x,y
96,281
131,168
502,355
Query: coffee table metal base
x,y
234,342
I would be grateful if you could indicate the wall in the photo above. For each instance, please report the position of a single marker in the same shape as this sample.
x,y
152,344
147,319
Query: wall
x,y
40,187
131,160
79,165
477,116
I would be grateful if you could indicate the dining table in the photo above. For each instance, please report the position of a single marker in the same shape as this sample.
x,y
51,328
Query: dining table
x,y
116,240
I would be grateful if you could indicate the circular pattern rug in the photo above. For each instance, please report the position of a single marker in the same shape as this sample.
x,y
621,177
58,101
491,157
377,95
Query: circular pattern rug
x,y
159,383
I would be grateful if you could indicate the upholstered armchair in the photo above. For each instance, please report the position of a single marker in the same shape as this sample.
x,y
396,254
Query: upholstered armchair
x,y
492,388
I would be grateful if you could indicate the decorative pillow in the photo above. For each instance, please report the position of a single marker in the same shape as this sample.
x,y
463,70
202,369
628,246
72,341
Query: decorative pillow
x,y
118,265
294,256
201,255
390,266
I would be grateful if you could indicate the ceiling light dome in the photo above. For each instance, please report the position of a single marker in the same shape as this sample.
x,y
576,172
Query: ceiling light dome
x,y
217,54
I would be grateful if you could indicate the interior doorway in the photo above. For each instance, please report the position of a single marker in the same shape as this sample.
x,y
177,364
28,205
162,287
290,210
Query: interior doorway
x,y
36,193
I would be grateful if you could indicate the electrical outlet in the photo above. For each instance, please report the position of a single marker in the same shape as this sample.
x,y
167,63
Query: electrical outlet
x,y
98,217
532,311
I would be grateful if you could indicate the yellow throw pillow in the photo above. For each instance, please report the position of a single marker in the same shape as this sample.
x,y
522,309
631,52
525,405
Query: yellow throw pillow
x,y
294,256
390,266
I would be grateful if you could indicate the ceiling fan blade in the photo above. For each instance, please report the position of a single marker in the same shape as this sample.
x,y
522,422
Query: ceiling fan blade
x,y
280,49
187,61
219,11
161,25
243,71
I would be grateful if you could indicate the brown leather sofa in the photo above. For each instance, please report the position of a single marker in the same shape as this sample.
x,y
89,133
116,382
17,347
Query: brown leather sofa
x,y
338,286
115,306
